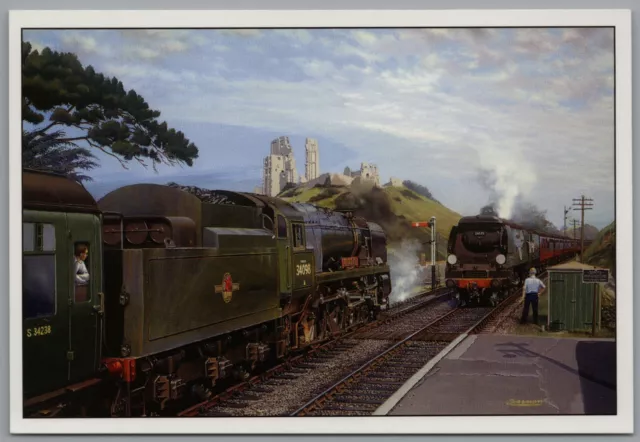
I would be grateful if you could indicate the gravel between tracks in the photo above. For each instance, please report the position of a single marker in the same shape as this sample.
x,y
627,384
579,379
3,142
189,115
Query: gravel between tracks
x,y
289,394
295,387
409,322
508,319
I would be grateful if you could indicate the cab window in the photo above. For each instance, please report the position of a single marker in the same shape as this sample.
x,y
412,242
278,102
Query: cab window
x,y
38,270
282,227
298,238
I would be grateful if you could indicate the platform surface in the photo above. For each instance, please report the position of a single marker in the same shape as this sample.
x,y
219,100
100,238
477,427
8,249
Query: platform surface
x,y
512,375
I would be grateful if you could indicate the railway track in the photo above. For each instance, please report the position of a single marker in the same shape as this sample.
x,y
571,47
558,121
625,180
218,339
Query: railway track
x,y
494,322
369,386
317,364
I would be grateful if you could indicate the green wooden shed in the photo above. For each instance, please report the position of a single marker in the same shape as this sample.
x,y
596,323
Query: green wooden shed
x,y
571,291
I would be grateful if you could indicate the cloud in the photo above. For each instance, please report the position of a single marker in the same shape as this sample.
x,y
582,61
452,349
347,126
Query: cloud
x,y
154,44
531,107
242,32
83,43
301,36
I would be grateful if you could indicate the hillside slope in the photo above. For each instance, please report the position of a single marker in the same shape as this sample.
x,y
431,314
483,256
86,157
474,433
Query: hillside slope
x,y
590,232
393,208
602,252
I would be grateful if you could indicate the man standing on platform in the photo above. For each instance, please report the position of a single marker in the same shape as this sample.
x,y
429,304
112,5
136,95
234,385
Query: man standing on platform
x,y
530,291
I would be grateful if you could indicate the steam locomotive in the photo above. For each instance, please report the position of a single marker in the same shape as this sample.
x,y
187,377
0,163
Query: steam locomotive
x,y
487,256
182,294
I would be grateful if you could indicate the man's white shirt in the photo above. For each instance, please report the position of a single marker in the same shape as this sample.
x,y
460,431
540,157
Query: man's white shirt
x,y
533,285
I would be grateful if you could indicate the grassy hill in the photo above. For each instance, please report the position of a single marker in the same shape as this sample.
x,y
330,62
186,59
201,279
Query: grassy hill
x,y
602,252
393,208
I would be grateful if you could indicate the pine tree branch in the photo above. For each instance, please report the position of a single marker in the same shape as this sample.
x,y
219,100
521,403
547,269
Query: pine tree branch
x,y
69,140
97,146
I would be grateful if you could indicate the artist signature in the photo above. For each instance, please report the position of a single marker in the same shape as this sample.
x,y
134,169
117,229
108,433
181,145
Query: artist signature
x,y
525,403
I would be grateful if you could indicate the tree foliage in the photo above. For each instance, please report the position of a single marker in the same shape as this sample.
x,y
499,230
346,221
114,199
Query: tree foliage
x,y
419,189
50,152
58,92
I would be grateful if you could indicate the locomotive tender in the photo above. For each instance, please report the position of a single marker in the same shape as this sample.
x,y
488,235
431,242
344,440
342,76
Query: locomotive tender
x,y
487,256
182,293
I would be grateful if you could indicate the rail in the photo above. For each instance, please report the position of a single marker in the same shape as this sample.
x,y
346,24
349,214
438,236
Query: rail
x,y
348,397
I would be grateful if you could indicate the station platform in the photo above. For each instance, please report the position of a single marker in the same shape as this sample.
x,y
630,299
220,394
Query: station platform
x,y
513,375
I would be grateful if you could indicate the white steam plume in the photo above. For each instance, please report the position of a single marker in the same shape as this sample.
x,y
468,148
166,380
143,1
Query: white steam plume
x,y
405,274
507,175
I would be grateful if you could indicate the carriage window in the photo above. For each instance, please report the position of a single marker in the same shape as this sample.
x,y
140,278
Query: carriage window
x,y
48,238
38,286
282,227
28,237
81,275
297,235
38,237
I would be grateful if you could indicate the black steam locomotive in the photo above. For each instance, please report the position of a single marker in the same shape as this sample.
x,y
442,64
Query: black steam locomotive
x,y
177,293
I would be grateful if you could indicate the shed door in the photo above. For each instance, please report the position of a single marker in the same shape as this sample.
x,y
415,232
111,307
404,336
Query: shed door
x,y
562,302
584,308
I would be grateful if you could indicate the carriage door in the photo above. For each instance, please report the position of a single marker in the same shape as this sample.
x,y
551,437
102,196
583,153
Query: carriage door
x,y
44,302
85,284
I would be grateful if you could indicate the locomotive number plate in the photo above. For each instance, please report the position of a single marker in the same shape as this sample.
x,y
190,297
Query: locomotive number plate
x,y
303,269
478,233
39,331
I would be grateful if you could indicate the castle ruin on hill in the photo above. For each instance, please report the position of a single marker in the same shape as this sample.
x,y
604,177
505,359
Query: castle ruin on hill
x,y
279,169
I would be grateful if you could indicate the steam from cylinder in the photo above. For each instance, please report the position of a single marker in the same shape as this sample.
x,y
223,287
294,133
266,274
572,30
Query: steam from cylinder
x,y
405,273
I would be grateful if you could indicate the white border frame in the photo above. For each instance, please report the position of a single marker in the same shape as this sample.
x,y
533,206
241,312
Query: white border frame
x,y
621,19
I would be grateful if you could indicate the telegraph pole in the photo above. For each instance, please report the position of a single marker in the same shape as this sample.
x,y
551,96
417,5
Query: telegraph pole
x,y
582,204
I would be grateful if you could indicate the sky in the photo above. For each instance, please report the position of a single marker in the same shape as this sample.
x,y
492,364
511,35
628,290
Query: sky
x,y
476,115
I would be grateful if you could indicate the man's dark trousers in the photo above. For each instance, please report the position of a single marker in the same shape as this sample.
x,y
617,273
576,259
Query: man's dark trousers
x,y
530,299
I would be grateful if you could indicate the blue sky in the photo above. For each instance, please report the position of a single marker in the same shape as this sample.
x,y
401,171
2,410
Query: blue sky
x,y
531,108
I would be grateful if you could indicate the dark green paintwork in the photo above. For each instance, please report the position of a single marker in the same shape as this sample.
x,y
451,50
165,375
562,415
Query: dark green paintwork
x,y
68,353
303,272
571,301
173,295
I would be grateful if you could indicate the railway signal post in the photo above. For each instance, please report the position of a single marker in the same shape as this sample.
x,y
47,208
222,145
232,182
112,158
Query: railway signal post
x,y
582,204
566,210
431,224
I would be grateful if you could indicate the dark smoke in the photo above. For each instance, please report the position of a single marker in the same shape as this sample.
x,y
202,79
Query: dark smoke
x,y
373,204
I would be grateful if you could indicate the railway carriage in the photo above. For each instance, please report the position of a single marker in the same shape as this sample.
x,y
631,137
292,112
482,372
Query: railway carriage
x,y
183,293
